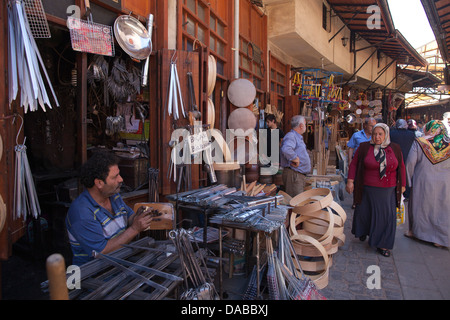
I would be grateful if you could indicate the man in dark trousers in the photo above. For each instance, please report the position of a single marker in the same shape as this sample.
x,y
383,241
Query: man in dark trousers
x,y
295,158
405,138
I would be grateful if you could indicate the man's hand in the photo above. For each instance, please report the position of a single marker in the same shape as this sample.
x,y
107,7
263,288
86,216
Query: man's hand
x,y
138,222
350,186
295,163
142,219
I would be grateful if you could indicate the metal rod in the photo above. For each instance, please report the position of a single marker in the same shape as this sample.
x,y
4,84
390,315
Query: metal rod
x,y
354,74
129,271
146,269
345,25
384,70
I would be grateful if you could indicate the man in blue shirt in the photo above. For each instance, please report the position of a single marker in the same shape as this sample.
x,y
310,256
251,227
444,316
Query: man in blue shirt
x,y
99,220
294,158
360,137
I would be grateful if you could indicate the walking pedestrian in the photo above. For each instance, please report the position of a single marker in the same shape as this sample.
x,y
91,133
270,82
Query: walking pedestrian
x,y
377,180
412,126
405,138
294,158
402,136
359,137
428,169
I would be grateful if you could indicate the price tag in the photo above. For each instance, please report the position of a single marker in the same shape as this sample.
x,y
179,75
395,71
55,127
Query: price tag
x,y
198,142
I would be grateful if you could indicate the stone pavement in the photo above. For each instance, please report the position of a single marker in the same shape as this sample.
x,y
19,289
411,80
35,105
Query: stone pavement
x,y
416,270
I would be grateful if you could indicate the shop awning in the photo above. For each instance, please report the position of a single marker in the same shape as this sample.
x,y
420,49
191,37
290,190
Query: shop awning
x,y
438,13
422,79
355,15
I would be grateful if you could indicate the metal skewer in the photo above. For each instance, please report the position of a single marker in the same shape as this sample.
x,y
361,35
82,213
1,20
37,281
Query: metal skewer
x,y
129,271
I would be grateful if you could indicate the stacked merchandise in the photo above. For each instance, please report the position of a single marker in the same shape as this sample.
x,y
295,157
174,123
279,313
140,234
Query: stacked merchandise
x,y
285,281
316,231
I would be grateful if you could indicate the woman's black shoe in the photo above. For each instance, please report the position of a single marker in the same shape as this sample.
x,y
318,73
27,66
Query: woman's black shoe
x,y
384,252
362,238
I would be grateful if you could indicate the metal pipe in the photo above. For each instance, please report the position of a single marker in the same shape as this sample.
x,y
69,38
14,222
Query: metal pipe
x,y
129,271
147,61
356,72
144,268
345,25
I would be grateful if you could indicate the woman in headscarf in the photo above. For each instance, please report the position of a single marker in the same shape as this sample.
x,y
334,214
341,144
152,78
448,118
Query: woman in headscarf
x,y
377,180
428,168
412,126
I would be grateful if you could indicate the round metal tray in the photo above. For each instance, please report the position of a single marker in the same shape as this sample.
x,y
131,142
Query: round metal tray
x,y
132,37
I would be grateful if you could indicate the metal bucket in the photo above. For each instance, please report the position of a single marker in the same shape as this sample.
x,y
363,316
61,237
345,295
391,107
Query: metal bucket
x,y
228,174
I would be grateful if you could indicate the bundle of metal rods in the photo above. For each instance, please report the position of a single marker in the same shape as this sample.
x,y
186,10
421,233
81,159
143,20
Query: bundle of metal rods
x,y
25,197
202,287
253,217
253,284
24,60
285,280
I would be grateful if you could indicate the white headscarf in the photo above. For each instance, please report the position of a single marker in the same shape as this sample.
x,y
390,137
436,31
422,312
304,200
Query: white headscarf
x,y
380,154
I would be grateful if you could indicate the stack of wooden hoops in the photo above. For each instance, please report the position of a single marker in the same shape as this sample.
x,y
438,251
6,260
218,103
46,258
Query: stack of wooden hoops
x,y
316,231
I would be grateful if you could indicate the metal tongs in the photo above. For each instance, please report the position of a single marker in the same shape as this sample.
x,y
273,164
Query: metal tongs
x,y
174,92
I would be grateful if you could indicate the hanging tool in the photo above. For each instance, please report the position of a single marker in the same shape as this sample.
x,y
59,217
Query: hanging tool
x,y
25,195
175,95
194,114
147,61
24,60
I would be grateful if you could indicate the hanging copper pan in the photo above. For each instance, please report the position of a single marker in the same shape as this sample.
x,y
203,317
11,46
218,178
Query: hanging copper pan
x,y
241,93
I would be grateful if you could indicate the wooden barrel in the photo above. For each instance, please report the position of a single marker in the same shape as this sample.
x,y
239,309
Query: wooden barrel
x,y
265,179
228,174
243,150
251,172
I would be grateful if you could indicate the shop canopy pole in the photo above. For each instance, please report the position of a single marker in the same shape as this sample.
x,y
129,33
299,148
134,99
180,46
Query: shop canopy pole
x,y
356,72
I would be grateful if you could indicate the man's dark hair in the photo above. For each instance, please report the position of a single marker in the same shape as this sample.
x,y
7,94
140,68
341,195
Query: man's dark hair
x,y
97,167
271,117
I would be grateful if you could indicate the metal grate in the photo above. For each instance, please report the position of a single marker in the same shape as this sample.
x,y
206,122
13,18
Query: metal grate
x,y
87,36
37,19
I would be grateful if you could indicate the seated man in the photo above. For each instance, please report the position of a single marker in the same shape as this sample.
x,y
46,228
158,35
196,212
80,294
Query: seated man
x,y
99,219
